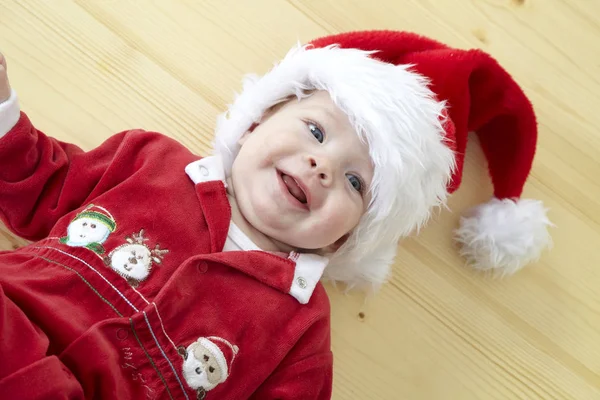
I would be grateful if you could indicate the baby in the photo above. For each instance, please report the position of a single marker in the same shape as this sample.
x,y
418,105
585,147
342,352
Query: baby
x,y
158,274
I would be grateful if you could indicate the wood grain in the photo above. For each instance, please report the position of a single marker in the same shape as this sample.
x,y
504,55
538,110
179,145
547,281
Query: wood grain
x,y
85,69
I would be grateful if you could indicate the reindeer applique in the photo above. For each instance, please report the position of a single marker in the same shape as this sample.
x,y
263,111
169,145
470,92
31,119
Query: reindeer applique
x,y
133,260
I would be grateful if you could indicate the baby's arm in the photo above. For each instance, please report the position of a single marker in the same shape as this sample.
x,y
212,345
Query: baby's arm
x,y
43,179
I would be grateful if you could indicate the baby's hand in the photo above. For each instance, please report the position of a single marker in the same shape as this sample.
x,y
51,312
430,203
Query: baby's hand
x,y
4,85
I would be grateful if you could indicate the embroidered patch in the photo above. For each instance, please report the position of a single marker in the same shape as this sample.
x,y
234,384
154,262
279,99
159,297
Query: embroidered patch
x,y
133,260
90,228
207,362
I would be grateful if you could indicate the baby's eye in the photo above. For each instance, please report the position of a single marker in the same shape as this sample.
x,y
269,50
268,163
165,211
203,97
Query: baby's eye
x,y
84,224
206,358
211,369
93,226
316,131
355,182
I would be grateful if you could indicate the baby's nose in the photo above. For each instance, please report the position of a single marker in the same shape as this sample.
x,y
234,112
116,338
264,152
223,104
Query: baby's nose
x,y
322,166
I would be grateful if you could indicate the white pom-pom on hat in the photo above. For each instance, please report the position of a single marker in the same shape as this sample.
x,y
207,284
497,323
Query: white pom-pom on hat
x,y
503,235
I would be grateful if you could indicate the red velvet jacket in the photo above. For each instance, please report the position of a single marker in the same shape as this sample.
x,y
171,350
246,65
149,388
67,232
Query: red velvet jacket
x,y
125,293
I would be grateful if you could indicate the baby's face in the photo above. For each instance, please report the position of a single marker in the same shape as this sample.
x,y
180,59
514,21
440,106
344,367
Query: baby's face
x,y
302,175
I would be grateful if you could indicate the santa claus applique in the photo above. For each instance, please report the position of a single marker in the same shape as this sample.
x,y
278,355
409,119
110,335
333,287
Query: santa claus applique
x,y
207,362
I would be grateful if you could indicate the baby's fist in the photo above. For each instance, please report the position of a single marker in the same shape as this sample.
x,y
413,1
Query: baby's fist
x,y
4,85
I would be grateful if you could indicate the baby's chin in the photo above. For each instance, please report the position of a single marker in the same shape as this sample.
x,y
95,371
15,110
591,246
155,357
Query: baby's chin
x,y
326,249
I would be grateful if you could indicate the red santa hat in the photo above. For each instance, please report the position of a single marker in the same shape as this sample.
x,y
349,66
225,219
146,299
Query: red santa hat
x,y
413,100
223,351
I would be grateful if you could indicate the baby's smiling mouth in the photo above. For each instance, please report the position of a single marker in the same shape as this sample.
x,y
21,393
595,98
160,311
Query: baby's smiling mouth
x,y
294,188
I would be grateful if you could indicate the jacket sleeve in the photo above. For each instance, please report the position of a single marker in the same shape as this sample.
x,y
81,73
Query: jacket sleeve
x,y
46,379
27,372
42,179
307,371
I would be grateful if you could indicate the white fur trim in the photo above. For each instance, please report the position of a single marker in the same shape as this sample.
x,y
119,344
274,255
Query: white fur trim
x,y
394,111
10,112
308,272
504,235
368,272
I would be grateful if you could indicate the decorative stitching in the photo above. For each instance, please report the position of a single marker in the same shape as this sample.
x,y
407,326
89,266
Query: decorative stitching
x,y
141,295
162,326
121,315
150,359
143,298
128,362
93,269
85,281
164,355
276,257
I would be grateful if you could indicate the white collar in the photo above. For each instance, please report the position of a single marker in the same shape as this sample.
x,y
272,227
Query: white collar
x,y
308,267
206,169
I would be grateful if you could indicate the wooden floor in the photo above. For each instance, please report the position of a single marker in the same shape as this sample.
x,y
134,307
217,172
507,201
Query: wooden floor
x,y
85,69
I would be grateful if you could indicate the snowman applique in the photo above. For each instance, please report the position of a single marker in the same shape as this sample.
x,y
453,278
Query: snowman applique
x,y
207,362
90,228
133,260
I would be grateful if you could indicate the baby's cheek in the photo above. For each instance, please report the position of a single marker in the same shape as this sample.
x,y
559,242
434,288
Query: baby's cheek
x,y
341,219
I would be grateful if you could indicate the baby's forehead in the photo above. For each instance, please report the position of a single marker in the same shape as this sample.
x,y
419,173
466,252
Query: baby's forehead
x,y
320,101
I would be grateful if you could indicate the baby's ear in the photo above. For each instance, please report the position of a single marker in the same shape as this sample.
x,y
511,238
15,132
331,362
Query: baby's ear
x,y
265,116
242,140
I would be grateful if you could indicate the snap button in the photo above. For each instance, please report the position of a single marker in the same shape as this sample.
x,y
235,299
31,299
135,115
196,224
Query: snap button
x,y
302,282
203,170
202,267
122,334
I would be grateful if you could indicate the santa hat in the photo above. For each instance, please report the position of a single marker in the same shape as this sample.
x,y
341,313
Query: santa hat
x,y
99,214
413,100
223,351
